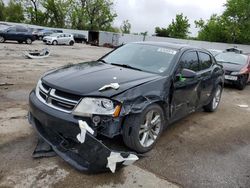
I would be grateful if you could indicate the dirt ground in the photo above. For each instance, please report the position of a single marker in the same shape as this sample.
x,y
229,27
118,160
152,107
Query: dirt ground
x,y
202,150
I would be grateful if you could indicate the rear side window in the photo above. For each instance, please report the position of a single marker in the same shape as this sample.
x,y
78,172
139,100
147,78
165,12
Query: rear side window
x,y
21,29
190,61
205,60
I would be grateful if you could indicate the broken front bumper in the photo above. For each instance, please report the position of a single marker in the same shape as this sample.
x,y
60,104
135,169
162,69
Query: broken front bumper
x,y
92,156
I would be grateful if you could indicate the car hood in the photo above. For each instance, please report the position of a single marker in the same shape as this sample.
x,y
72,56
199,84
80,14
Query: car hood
x,y
231,67
49,38
85,79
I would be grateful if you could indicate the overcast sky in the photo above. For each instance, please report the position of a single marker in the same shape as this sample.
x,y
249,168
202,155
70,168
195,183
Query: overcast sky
x,y
145,15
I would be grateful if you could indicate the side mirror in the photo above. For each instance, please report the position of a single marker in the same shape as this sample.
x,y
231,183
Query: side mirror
x,y
186,73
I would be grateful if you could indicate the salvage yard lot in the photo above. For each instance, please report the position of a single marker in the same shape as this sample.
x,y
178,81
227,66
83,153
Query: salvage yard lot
x,y
202,150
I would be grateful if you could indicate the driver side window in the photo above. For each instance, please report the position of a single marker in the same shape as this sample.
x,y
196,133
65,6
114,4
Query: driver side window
x,y
189,60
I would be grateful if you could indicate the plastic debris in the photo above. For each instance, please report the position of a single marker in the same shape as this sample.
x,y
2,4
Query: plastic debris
x,y
36,54
243,105
110,86
116,158
84,129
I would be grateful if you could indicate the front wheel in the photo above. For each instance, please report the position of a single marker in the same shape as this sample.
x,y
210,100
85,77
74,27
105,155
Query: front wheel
x,y
71,43
214,103
141,131
54,42
28,41
2,39
242,82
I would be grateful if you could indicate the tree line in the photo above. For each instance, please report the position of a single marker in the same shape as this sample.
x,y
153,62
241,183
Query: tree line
x,y
232,26
75,14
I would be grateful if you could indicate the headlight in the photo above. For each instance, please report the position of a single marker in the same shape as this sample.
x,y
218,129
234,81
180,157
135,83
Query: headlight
x,y
99,106
235,73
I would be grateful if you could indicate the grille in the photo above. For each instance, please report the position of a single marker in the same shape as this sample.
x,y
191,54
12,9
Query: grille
x,y
57,99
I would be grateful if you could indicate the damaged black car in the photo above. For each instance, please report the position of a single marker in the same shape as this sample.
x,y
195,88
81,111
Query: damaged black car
x,y
134,91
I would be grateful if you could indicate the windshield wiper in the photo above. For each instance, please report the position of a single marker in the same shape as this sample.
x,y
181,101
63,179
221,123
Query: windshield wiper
x,y
126,66
102,60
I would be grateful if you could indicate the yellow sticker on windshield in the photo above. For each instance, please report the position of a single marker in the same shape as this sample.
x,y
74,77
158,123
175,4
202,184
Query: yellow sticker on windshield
x,y
165,50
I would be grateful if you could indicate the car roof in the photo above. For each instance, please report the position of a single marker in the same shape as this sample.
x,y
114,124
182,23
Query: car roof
x,y
166,44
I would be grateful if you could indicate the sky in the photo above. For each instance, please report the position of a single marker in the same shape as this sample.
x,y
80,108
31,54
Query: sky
x,y
145,15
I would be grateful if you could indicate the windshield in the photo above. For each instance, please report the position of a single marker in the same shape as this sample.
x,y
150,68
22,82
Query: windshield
x,y
143,57
231,57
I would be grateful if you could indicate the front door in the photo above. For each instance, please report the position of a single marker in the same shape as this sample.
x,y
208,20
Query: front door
x,y
186,90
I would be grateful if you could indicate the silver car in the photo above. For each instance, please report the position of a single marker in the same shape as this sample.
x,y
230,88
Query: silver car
x,y
59,38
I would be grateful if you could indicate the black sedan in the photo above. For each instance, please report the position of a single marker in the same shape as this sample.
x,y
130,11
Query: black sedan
x,y
237,68
135,91
17,33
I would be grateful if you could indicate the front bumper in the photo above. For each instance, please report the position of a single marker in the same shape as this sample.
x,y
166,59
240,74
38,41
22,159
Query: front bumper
x,y
60,134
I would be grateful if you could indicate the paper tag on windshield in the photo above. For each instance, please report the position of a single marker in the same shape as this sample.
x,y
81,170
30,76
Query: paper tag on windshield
x,y
165,50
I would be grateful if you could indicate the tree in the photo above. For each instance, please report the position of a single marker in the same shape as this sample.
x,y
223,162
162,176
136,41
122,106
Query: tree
x,y
161,32
213,30
14,12
92,15
2,11
179,28
34,14
125,27
55,12
237,19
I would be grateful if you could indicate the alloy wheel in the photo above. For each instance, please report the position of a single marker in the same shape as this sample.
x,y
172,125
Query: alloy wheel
x,y
28,41
216,99
149,131
1,39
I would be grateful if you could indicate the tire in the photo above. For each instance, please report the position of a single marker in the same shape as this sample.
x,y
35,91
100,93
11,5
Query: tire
x,y
28,41
2,39
214,103
71,43
54,42
242,82
150,133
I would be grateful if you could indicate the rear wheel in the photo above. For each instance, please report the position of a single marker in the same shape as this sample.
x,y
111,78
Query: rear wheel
x,y
28,41
214,103
242,82
54,42
71,43
141,131
2,39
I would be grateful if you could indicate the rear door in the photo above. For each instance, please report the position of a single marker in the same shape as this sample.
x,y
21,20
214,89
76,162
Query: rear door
x,y
61,39
186,91
206,71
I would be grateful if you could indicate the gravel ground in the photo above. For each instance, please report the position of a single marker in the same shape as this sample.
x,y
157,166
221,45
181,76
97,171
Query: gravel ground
x,y
202,150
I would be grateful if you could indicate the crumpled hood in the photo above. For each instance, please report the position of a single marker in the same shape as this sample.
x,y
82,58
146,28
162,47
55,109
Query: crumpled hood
x,y
85,79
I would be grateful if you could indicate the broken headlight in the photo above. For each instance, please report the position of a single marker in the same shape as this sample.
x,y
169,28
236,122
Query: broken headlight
x,y
99,106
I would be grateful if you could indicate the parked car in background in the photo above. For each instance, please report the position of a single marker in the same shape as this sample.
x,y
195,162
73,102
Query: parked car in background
x,y
59,38
17,33
47,32
35,32
135,91
237,68
214,51
79,38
